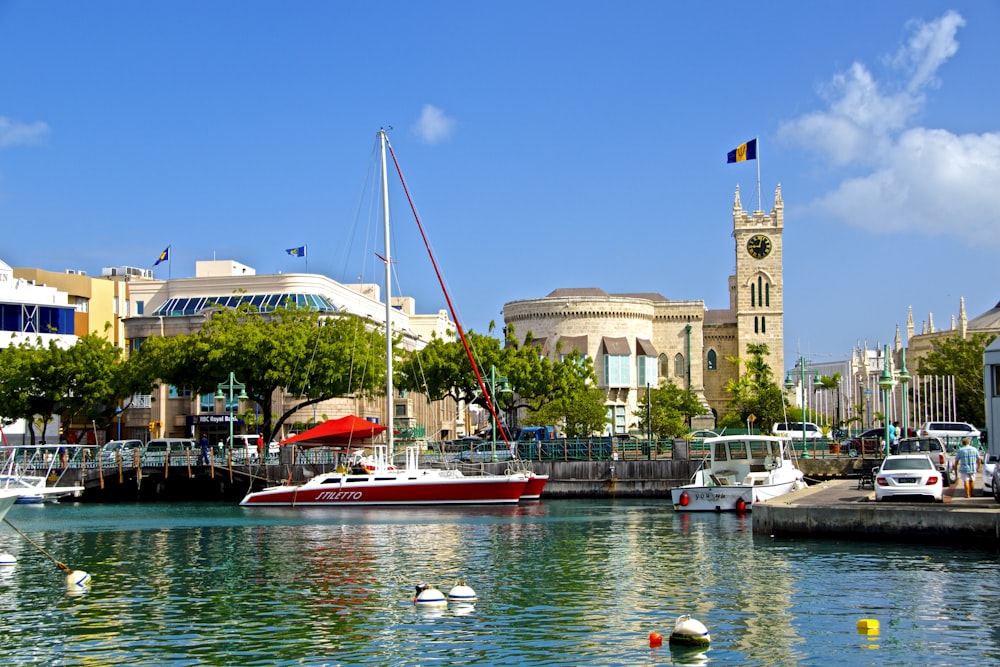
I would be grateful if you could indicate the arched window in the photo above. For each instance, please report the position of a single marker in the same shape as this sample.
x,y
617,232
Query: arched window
x,y
664,366
756,324
767,295
753,296
760,291
679,370
763,324
712,360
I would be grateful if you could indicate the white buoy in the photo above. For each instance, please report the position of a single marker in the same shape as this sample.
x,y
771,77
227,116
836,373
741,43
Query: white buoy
x,y
461,594
428,596
7,559
689,632
77,579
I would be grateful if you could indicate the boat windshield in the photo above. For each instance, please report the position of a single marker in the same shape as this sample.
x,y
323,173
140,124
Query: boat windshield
x,y
738,450
760,449
720,452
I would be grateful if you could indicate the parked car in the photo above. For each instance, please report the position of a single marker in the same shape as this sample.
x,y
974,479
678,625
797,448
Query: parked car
x,y
989,464
868,442
114,450
949,432
702,434
794,430
908,475
484,453
935,450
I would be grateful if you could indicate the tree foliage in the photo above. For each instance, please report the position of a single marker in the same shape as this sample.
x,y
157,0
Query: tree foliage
x,y
670,409
311,358
962,358
754,392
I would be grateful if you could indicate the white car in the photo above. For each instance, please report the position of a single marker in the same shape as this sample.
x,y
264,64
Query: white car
x,y
907,476
794,430
989,463
951,433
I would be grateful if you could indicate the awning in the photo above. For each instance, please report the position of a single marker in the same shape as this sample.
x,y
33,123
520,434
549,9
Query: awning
x,y
343,431
616,346
570,343
644,348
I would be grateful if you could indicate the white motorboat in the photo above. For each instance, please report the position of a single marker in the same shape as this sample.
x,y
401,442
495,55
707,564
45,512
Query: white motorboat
x,y
31,489
738,471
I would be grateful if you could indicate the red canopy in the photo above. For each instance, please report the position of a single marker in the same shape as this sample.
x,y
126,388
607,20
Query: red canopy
x,y
337,432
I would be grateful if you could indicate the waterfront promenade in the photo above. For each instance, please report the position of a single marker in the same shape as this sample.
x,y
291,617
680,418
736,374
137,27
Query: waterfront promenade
x,y
838,509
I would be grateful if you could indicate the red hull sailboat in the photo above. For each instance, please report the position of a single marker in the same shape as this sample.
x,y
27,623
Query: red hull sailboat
x,y
375,480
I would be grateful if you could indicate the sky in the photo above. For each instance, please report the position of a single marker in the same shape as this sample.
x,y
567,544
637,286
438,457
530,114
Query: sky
x,y
545,145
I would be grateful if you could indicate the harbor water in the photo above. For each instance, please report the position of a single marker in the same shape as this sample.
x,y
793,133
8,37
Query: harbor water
x,y
559,582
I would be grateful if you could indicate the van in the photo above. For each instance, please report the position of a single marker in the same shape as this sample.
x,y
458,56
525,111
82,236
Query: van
x,y
950,432
156,450
247,447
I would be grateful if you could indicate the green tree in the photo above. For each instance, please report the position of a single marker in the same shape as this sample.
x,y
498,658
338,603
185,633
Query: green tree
x,y
962,358
670,409
579,414
309,357
831,383
754,392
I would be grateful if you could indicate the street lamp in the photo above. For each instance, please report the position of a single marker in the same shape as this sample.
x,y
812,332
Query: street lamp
x,y
904,379
504,389
231,386
886,383
805,404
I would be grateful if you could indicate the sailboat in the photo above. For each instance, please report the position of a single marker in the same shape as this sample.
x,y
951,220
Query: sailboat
x,y
381,482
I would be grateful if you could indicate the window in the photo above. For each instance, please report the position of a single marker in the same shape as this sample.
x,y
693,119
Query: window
x,y
647,371
207,403
664,366
712,361
140,306
996,380
767,295
180,392
679,369
763,324
753,296
616,370
756,324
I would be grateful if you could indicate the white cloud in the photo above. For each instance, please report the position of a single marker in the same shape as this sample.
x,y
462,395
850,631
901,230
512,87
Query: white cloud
x,y
907,178
434,126
14,133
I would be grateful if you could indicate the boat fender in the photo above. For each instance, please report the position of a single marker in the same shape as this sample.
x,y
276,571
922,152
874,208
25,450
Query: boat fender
x,y
684,499
7,559
655,639
689,632
428,596
77,579
461,594
741,505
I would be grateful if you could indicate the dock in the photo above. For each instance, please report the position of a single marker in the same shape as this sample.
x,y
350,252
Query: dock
x,y
839,509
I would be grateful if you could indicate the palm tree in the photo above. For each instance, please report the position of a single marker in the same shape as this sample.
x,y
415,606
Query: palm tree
x,y
828,382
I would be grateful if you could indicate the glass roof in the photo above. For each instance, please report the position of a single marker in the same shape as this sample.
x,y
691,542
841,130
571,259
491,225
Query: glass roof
x,y
179,306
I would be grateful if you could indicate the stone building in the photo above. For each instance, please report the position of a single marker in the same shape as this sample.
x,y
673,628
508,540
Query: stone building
x,y
643,338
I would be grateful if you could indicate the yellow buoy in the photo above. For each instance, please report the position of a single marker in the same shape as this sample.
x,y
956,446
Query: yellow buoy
x,y
868,626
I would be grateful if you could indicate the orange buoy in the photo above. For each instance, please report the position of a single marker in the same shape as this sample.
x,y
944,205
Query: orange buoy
x,y
655,639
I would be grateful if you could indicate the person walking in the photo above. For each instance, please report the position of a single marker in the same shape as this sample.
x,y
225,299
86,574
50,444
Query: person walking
x,y
967,464
203,459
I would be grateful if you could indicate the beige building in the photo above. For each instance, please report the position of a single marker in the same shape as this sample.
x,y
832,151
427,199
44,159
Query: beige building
x,y
640,339
182,305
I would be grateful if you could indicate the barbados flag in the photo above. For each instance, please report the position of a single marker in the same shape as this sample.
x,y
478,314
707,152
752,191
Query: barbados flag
x,y
164,256
297,252
747,151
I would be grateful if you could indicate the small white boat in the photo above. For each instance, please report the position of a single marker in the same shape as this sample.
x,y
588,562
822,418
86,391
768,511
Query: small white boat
x,y
738,471
31,489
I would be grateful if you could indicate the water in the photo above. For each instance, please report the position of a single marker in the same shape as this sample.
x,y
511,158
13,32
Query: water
x,y
560,582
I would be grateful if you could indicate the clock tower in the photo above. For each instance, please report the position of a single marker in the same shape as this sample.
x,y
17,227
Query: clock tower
x,y
756,291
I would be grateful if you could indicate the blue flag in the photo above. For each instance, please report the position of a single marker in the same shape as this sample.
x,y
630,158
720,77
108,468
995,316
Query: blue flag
x,y
164,256
297,252
747,151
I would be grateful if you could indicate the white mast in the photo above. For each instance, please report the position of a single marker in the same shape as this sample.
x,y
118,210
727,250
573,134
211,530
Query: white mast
x,y
388,304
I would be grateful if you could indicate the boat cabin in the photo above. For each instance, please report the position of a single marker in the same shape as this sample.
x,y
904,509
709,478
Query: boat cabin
x,y
743,461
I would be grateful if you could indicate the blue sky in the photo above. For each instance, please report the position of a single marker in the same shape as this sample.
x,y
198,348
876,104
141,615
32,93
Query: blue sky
x,y
547,145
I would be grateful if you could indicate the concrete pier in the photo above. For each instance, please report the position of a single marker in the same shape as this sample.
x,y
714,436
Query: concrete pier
x,y
838,509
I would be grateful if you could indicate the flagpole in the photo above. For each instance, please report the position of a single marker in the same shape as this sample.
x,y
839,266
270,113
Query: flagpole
x,y
305,251
170,260
760,205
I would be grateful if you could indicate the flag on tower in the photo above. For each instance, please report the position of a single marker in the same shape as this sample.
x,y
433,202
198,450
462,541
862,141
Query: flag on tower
x,y
747,151
297,252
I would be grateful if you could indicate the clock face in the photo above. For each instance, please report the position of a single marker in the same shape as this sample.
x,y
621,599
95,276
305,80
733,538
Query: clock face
x,y
759,246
